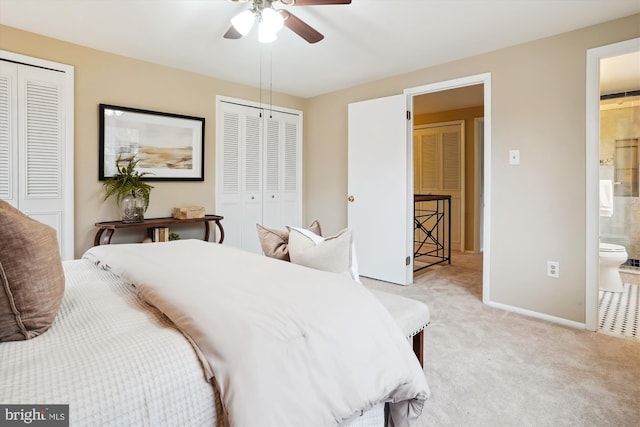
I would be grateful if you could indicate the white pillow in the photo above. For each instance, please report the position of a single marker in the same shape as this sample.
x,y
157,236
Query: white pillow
x,y
336,254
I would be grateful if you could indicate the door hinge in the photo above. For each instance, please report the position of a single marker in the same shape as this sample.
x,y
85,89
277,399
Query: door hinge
x,y
408,115
408,261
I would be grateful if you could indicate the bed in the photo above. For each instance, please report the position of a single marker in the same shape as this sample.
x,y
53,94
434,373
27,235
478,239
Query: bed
x,y
114,355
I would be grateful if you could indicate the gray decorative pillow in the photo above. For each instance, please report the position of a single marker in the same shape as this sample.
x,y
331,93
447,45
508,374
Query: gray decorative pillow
x,y
275,242
31,275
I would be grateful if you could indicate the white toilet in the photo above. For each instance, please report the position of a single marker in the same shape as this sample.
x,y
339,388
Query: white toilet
x,y
611,256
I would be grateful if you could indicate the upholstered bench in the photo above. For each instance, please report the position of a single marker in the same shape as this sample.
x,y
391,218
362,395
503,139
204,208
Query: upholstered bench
x,y
411,316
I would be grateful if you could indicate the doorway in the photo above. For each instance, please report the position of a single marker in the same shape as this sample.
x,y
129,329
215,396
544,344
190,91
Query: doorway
x,y
594,59
465,100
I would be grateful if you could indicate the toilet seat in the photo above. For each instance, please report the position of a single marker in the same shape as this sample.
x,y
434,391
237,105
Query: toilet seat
x,y
610,247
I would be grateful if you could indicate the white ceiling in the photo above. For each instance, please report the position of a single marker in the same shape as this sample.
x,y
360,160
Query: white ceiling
x,y
364,41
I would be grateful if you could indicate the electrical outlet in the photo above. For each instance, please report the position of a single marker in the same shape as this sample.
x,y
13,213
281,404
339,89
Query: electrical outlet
x,y
553,269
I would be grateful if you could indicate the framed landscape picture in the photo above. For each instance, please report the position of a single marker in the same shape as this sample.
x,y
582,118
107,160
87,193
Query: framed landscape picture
x,y
168,147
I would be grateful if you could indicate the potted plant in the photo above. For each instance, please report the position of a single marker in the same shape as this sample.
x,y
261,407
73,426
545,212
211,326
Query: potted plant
x,y
132,194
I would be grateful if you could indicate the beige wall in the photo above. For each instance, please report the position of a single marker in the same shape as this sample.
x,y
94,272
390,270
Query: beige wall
x,y
537,208
105,78
538,107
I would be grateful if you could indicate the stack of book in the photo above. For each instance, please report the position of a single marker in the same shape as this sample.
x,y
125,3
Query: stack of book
x,y
161,234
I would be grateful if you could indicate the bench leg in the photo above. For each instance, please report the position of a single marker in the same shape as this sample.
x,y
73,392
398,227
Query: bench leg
x,y
418,346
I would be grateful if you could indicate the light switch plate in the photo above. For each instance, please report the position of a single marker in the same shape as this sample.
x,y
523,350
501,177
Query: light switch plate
x,y
514,157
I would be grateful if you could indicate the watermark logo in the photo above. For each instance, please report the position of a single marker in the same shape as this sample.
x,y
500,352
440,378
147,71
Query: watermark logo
x,y
34,415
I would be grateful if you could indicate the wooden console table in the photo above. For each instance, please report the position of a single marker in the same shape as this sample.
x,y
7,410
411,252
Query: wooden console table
x,y
106,229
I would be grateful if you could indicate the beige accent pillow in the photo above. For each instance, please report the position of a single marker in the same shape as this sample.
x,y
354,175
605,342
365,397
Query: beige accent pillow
x,y
31,275
335,254
275,242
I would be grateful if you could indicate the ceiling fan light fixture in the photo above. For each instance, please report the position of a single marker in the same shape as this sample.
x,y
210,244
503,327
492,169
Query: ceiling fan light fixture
x,y
271,19
265,34
243,21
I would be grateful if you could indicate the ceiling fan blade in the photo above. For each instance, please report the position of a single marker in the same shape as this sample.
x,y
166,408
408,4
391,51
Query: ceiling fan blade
x,y
316,2
232,33
300,27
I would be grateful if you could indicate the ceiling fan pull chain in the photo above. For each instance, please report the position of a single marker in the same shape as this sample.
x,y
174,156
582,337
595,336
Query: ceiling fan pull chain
x,y
260,96
270,83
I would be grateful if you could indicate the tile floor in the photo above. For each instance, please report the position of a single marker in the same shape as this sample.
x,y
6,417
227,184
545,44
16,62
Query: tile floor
x,y
620,312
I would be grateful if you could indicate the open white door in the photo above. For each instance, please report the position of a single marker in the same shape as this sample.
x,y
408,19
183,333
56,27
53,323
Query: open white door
x,y
379,208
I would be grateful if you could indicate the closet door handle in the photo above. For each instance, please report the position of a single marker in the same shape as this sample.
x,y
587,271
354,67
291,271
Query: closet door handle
x,y
351,198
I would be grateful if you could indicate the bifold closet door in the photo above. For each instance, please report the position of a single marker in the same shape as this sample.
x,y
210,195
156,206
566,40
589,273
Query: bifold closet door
x,y
281,199
33,147
9,132
239,172
258,174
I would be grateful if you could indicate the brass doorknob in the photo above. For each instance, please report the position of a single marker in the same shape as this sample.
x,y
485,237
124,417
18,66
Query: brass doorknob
x,y
351,198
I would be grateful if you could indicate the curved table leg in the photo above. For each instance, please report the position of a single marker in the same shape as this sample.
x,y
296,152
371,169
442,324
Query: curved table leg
x,y
207,230
96,240
103,237
221,239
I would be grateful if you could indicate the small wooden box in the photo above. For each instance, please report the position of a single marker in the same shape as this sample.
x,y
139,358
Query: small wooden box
x,y
187,212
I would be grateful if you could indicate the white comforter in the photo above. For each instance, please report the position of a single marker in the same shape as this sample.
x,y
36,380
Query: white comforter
x,y
113,359
287,345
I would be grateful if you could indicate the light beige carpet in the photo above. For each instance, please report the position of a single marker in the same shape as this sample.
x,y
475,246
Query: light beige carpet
x,y
489,367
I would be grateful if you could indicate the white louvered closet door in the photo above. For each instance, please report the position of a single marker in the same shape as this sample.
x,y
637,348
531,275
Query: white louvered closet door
x,y
239,174
282,204
9,133
251,180
228,175
258,172
33,147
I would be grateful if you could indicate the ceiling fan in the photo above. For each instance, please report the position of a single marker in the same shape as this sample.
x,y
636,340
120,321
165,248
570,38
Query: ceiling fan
x,y
270,20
